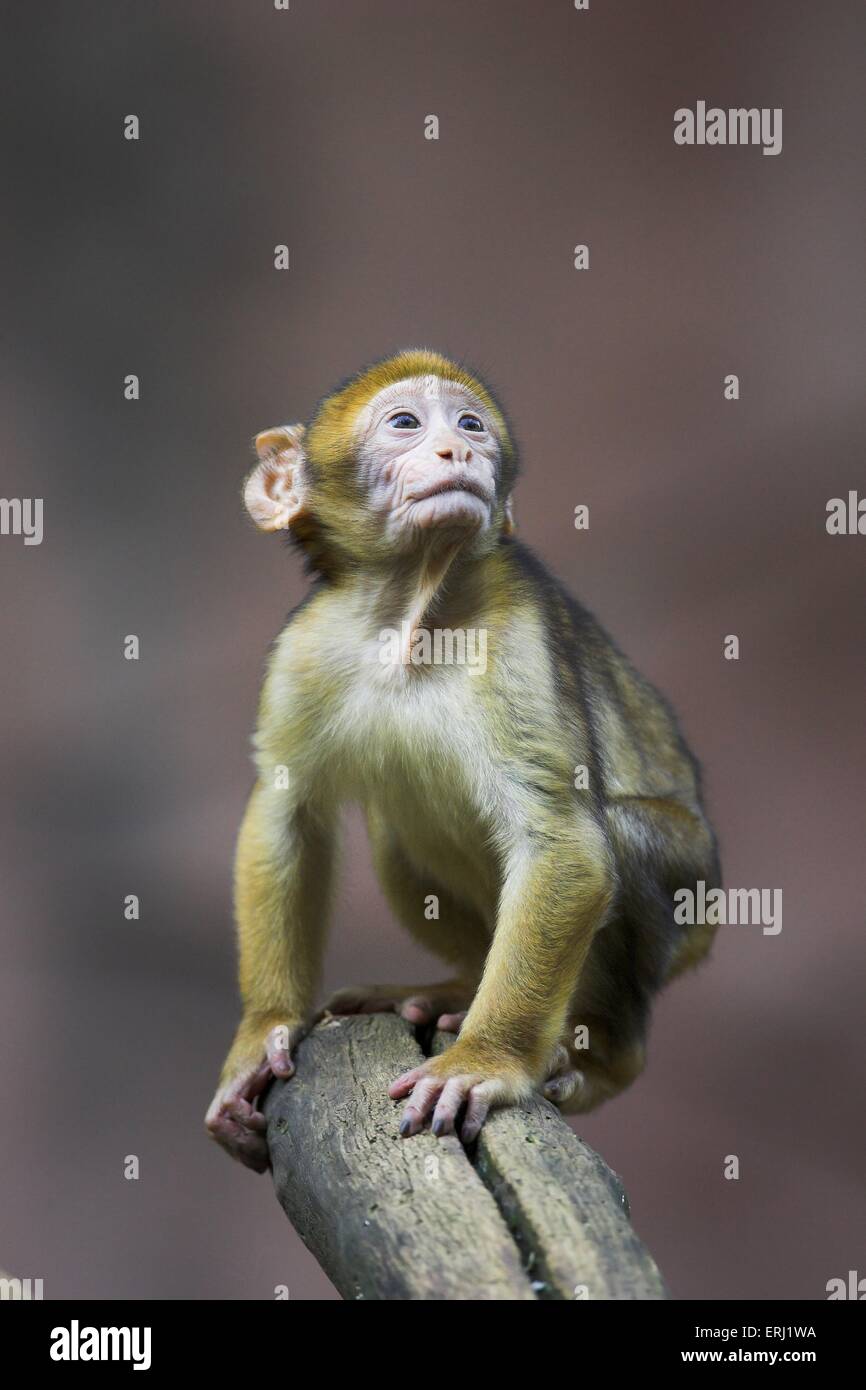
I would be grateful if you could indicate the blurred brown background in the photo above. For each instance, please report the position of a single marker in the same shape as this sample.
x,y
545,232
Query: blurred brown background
x,y
707,518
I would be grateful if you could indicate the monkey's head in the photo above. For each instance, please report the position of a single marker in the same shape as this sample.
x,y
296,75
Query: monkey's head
x,y
411,454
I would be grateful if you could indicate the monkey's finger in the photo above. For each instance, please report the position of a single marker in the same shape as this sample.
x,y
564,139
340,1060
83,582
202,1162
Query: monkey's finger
x,y
278,1047
244,1114
449,1103
451,1023
232,1108
403,1085
250,1083
241,1089
481,1098
247,1147
422,1102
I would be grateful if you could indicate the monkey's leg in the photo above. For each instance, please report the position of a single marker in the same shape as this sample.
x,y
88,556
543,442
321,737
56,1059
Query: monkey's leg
x,y
557,893
458,935
661,846
283,871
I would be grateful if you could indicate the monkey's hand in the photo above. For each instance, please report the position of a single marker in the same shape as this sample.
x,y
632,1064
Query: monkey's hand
x,y
469,1073
259,1053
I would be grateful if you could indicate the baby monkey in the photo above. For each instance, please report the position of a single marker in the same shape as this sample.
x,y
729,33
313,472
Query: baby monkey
x,y
543,802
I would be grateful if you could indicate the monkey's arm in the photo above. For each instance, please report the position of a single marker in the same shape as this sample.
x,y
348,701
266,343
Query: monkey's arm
x,y
283,872
556,894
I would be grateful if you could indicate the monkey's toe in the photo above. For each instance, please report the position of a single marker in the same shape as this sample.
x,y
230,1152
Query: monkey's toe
x,y
563,1077
358,999
451,1023
417,1010
559,1089
418,1004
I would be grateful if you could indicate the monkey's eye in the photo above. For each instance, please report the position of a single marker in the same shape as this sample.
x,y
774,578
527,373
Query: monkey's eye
x,y
404,420
470,422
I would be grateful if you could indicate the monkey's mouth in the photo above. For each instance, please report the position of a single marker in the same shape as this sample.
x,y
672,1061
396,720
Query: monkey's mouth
x,y
454,485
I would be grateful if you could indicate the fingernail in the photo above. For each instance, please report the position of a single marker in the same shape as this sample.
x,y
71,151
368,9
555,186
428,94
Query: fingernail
x,y
405,1126
438,1127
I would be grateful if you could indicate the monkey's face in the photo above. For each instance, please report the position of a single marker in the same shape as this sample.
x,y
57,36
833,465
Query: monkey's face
x,y
411,455
428,460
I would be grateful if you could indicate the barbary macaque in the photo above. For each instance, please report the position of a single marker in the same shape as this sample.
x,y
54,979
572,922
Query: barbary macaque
x,y
547,803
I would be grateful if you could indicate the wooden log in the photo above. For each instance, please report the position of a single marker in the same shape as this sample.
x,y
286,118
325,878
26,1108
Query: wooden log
x,y
531,1214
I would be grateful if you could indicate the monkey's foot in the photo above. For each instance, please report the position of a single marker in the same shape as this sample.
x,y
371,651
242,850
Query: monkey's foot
x,y
578,1080
444,1004
563,1079
464,1075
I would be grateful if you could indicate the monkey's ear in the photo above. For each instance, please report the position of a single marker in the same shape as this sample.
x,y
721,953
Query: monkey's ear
x,y
274,493
509,526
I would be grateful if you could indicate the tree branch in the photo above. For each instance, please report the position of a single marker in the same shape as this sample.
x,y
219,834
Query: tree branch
x,y
533,1213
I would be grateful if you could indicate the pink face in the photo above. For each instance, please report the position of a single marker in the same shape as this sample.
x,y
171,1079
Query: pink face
x,y
429,456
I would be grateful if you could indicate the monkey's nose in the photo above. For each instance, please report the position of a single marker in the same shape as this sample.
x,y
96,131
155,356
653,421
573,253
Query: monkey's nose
x,y
463,452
